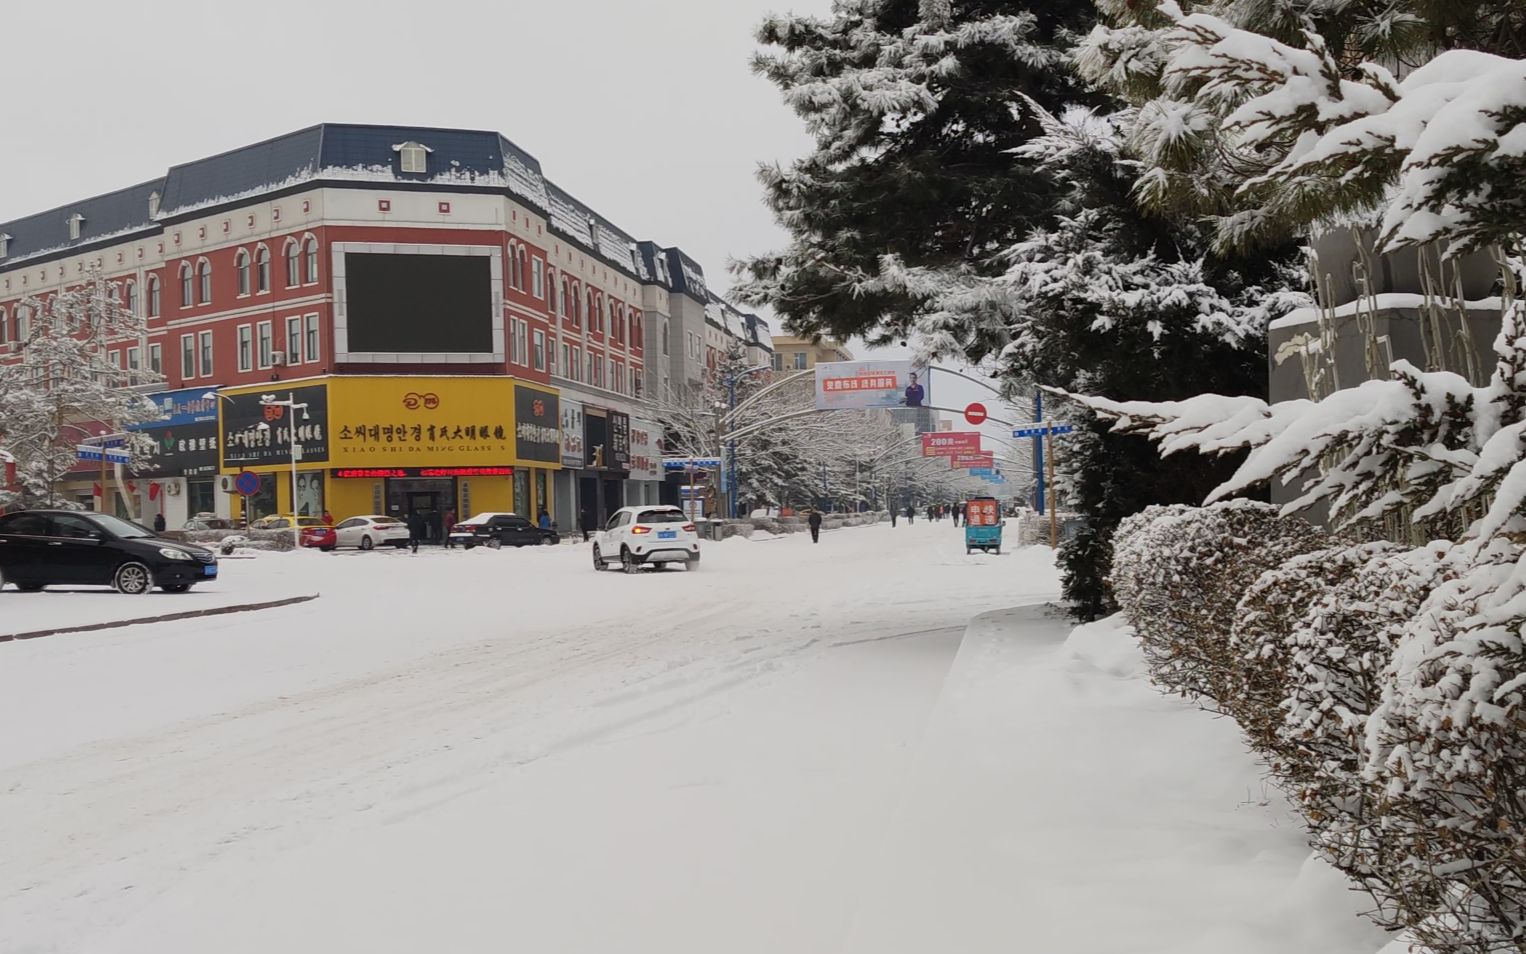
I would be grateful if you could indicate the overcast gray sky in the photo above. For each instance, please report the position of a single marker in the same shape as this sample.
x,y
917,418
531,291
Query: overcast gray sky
x,y
644,109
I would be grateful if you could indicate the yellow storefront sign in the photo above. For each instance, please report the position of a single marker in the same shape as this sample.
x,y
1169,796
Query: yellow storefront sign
x,y
421,422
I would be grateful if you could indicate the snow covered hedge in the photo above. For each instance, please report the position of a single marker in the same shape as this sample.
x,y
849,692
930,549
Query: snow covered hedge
x,y
1179,573
1384,687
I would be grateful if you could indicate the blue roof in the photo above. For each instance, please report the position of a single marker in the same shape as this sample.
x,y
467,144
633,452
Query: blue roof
x,y
110,214
309,154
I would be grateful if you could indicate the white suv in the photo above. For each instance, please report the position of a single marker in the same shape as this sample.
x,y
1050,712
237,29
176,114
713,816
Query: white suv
x,y
658,535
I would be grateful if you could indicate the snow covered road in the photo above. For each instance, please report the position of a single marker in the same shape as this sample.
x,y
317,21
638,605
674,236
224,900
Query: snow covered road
x,y
152,763
798,748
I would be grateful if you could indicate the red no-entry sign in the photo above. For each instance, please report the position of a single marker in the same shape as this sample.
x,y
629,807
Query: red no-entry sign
x,y
975,413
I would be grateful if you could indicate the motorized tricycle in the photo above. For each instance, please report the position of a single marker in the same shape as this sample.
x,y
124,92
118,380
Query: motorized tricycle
x,y
982,525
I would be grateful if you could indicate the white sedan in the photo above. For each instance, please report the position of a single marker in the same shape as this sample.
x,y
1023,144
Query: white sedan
x,y
637,536
370,532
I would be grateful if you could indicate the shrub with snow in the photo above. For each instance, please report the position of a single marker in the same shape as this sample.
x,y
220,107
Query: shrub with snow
x,y
1179,572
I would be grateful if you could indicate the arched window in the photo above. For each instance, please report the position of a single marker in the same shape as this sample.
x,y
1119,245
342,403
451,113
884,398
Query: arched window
x,y
513,265
588,310
293,263
5,329
637,341
153,296
577,303
312,260
187,284
204,274
262,270
524,268
564,297
131,296
241,267
23,323
665,337
551,292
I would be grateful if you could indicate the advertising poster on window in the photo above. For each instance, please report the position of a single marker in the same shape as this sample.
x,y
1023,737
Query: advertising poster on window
x,y
255,433
572,433
619,440
950,443
646,456
537,425
855,385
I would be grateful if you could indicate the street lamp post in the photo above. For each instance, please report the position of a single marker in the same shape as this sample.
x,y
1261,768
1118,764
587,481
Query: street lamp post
x,y
731,445
269,400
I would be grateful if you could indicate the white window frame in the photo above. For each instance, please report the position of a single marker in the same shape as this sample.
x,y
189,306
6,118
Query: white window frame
x,y
566,368
205,353
187,357
114,358
203,282
246,348
187,285
293,255
519,342
537,278
293,335
130,295
577,363
262,270
242,271
667,332
413,157
310,260
311,338
156,358
264,344
135,358
538,349
151,302
5,329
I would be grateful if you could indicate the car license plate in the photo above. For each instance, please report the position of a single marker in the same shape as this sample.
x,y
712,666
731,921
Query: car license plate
x,y
667,534
209,571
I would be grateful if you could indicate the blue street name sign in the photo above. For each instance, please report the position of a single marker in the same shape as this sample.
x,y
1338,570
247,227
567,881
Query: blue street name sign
x,y
691,463
1043,430
110,455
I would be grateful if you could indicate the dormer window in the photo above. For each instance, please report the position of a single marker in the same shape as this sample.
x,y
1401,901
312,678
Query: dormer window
x,y
5,245
413,156
76,222
153,204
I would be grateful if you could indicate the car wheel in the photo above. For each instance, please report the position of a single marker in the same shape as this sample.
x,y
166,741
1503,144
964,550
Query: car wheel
x,y
176,587
327,549
598,559
495,544
30,587
366,543
692,563
546,541
468,545
628,561
133,579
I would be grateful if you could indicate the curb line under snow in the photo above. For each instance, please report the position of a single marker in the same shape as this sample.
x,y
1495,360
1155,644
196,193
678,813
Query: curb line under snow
x,y
167,618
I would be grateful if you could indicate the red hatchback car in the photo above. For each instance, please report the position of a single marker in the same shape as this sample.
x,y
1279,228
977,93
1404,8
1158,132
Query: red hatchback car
x,y
324,538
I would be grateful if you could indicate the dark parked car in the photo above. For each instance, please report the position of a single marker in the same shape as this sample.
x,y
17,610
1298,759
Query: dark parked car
x,y
501,530
43,547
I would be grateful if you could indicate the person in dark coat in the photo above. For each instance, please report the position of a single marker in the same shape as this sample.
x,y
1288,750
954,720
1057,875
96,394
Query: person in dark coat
x,y
893,512
417,529
585,524
815,521
158,523
911,514
450,524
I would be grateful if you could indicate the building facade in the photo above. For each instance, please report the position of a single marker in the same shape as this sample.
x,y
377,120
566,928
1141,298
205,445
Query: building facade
x,y
427,294
791,353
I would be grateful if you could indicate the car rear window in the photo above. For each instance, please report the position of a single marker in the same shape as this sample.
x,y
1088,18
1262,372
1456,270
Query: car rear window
x,y
661,516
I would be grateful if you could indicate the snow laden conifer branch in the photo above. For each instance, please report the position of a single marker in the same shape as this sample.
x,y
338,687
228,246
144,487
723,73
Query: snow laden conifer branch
x,y
1276,135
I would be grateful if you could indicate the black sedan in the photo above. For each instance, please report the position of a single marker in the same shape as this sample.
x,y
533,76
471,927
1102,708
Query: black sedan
x,y
46,547
501,530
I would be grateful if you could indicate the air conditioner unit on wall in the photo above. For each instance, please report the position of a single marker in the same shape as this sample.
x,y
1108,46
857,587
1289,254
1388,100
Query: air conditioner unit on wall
x,y
277,359
227,485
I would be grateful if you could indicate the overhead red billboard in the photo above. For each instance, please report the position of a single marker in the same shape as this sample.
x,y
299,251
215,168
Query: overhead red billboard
x,y
950,443
968,461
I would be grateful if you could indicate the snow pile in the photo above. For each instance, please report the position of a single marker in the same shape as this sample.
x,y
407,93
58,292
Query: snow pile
x,y
1384,688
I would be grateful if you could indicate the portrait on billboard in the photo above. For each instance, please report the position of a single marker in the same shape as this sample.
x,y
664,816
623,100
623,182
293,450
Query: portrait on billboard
x,y
857,385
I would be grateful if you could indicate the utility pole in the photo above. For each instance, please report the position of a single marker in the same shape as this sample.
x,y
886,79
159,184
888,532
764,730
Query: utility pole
x,y
1054,520
1038,446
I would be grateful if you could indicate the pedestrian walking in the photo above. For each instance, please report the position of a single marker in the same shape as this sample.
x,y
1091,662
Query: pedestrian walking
x,y
159,523
585,524
417,528
893,512
544,521
450,524
911,514
815,521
